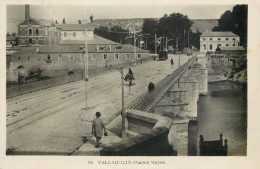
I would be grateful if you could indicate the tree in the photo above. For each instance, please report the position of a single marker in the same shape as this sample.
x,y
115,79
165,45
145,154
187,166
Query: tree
x,y
8,34
13,33
116,33
236,22
91,18
56,22
172,26
63,21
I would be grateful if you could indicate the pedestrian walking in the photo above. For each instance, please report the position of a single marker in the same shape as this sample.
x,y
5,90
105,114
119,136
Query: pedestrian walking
x,y
172,62
97,128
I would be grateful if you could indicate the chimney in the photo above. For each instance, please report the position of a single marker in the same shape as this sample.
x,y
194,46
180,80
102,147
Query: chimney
x,y
97,47
110,47
27,12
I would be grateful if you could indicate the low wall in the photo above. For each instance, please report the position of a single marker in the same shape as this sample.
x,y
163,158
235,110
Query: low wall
x,y
151,140
28,88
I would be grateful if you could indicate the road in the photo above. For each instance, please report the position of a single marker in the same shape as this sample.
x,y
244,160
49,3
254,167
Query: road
x,y
54,120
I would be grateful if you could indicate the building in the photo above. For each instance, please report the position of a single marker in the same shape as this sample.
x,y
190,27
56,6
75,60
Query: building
x,y
58,60
72,32
37,32
231,51
11,41
209,41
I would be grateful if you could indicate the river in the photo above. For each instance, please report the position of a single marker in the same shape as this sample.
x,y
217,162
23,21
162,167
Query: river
x,y
224,110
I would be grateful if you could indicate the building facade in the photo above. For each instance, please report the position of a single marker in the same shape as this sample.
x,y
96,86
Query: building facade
x,y
71,32
209,41
58,60
35,32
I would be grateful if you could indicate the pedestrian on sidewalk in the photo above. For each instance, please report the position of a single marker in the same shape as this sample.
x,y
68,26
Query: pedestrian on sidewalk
x,y
172,62
97,128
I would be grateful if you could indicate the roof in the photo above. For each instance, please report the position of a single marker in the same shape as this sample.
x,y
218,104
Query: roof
x,y
231,48
96,40
219,34
41,22
91,49
11,38
25,51
72,27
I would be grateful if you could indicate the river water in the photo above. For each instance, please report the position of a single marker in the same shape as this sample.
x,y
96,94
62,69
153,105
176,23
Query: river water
x,y
224,110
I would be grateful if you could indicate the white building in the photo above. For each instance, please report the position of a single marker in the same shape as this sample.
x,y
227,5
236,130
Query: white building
x,y
209,41
70,32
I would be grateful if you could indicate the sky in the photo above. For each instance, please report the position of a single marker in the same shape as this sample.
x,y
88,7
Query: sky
x,y
73,13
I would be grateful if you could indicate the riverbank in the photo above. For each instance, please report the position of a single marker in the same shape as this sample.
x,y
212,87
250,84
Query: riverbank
x,y
221,69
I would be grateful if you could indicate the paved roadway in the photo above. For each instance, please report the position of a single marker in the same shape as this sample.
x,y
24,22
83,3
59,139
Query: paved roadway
x,y
54,120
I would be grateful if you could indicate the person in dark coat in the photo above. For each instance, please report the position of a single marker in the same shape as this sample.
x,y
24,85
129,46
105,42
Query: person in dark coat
x,y
172,62
97,128
130,72
151,86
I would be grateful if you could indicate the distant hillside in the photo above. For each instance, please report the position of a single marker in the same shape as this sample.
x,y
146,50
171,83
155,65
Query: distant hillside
x,y
202,25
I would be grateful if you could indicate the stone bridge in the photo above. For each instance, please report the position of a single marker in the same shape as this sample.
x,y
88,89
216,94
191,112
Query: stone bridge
x,y
163,121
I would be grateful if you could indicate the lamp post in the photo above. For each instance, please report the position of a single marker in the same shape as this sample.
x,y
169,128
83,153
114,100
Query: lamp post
x,y
121,70
86,66
135,38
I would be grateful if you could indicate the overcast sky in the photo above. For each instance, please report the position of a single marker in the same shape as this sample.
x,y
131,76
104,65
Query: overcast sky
x,y
73,13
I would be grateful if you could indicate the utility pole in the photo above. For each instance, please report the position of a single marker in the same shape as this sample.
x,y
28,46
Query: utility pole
x,y
166,43
155,45
86,67
123,109
135,48
179,60
188,39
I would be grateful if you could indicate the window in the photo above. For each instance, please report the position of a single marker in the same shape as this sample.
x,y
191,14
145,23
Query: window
x,y
30,31
227,38
116,56
94,56
102,48
105,57
219,45
139,56
28,58
82,56
227,44
233,39
37,31
119,47
59,57
30,40
48,57
19,58
204,38
204,46
210,47
127,56
65,34
219,38
210,38
74,34
71,56
234,44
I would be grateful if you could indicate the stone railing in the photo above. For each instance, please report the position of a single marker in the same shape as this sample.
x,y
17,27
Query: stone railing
x,y
147,136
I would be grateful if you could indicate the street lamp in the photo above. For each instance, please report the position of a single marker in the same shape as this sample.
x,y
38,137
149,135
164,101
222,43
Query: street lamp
x,y
86,66
135,38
